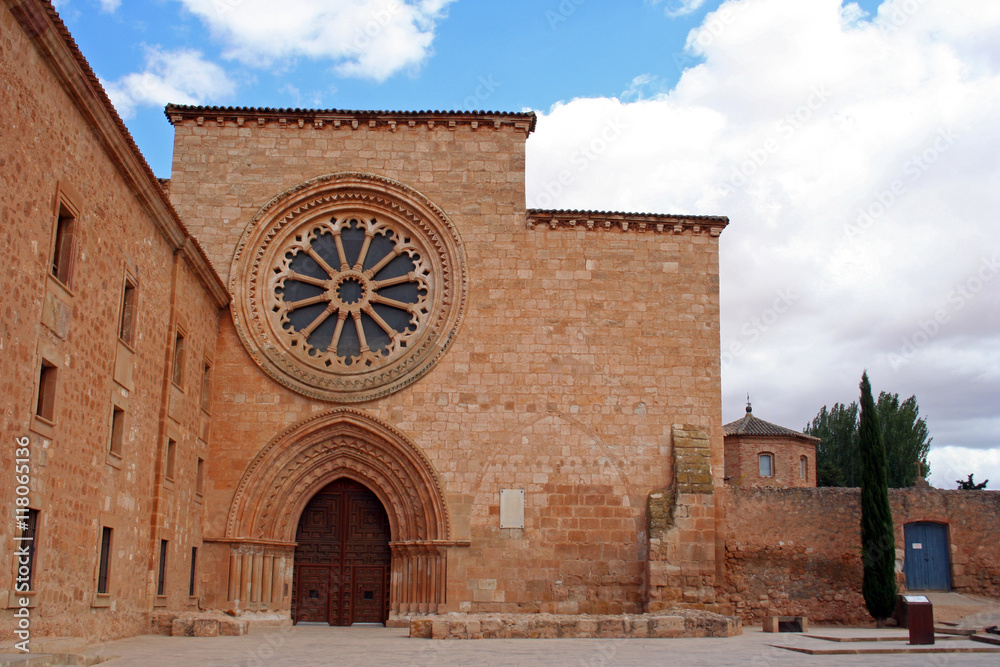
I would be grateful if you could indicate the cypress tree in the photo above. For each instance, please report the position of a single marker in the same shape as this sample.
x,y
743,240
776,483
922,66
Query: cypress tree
x,y
878,542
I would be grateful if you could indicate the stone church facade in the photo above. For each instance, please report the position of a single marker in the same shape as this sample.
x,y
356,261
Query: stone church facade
x,y
334,369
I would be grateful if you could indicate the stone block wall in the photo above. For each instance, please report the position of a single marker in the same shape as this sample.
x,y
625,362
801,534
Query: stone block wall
x,y
67,152
797,551
562,380
682,566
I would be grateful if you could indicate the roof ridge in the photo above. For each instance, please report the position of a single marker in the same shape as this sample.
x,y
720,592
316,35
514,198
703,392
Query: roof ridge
x,y
752,425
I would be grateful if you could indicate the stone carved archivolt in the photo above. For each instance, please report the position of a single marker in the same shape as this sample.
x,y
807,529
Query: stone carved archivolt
x,y
348,287
295,465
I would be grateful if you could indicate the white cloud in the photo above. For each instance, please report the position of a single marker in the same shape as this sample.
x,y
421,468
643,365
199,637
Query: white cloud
x,y
110,6
371,39
856,159
179,77
950,464
680,7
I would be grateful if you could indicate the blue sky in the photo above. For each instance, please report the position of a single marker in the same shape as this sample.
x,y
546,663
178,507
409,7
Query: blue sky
x,y
853,145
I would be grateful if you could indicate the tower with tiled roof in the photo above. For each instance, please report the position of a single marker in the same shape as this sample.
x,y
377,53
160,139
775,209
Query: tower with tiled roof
x,y
759,453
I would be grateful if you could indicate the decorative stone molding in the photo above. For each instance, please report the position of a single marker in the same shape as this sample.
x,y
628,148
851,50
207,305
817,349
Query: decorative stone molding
x,y
300,461
627,222
335,119
348,323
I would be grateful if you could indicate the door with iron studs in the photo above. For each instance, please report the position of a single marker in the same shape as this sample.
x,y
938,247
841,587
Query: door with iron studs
x,y
342,557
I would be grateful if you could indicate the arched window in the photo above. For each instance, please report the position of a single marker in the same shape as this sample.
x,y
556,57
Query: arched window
x,y
766,463
803,467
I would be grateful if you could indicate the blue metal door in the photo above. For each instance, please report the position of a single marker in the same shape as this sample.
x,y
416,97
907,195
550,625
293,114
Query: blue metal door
x,y
926,563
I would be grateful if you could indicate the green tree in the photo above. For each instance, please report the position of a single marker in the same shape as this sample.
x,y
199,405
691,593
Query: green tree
x,y
904,432
969,485
837,458
878,541
905,435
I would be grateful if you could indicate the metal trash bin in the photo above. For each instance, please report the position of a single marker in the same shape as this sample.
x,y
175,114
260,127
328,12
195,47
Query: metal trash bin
x,y
917,613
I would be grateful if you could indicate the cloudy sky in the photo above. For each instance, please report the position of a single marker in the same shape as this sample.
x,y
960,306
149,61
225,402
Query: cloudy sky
x,y
854,147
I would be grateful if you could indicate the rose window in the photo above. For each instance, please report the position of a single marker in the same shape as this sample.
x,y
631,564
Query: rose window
x,y
351,291
348,287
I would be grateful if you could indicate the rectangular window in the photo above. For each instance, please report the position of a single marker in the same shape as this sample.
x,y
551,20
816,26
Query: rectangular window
x,y
104,567
171,457
206,388
766,465
200,480
177,371
26,570
45,407
117,430
63,252
803,467
126,318
161,577
194,560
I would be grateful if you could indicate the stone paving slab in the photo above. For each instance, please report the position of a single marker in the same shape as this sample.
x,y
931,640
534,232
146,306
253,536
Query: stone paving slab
x,y
892,638
890,650
317,645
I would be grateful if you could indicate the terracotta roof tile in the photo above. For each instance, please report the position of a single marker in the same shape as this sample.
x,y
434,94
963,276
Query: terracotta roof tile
x,y
751,425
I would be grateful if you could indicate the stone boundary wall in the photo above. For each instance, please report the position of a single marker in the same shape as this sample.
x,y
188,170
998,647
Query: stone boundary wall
x,y
797,551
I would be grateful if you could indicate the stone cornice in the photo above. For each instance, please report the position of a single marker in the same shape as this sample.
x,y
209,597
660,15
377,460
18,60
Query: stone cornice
x,y
42,25
319,119
627,222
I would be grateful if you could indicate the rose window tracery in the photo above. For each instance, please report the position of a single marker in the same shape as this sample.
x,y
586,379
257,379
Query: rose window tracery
x,y
351,291
348,287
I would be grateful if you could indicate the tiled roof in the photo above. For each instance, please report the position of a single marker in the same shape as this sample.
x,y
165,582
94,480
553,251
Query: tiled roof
x,y
186,110
750,425
668,217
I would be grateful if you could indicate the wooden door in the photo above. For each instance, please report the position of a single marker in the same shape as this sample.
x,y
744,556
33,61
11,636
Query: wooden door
x,y
926,562
342,557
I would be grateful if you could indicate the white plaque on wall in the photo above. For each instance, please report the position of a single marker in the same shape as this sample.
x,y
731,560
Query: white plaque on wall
x,y
512,508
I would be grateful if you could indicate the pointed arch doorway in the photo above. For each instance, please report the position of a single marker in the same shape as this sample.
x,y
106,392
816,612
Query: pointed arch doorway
x,y
342,557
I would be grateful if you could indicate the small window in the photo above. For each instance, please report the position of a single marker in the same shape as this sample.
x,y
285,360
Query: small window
x,y
104,567
200,480
63,251
803,467
171,457
177,370
28,523
45,406
206,388
766,465
161,577
126,318
117,430
194,560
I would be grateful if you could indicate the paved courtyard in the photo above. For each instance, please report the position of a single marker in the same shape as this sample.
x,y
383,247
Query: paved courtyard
x,y
317,645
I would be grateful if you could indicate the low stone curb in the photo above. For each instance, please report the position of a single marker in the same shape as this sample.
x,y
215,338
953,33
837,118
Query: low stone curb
x,y
668,624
